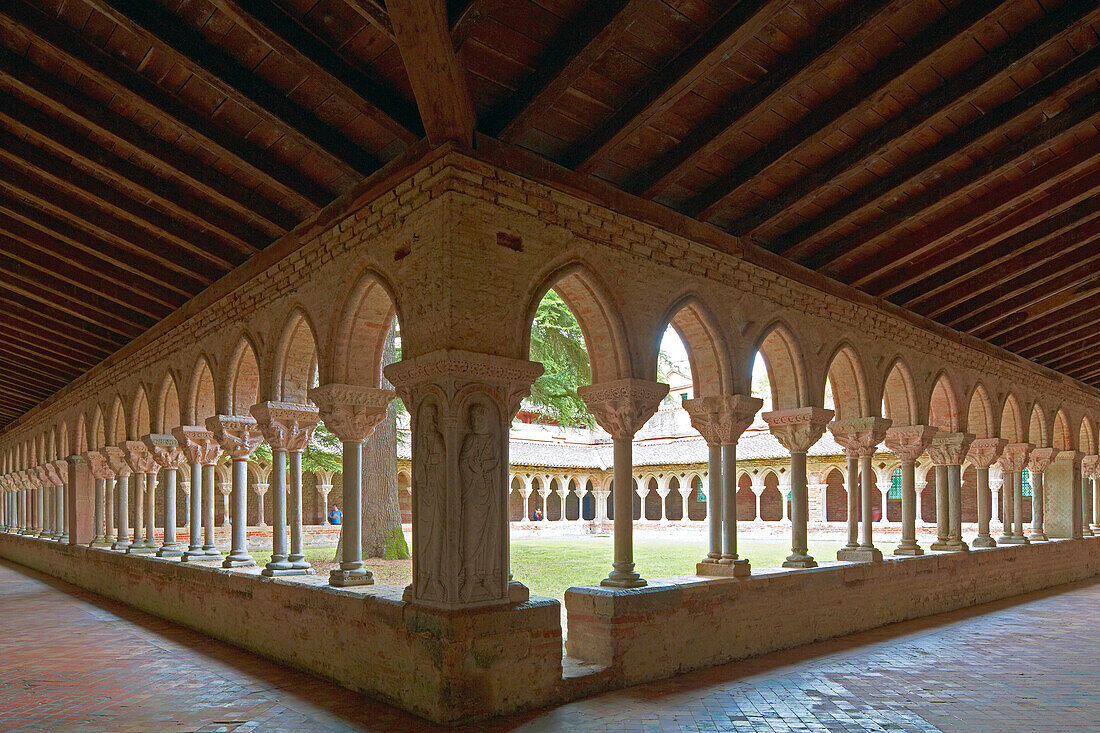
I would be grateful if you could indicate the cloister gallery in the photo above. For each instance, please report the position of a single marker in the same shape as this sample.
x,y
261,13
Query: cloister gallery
x,y
213,214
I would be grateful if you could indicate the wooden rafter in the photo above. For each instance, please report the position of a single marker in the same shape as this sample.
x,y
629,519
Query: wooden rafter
x,y
1003,60
1049,328
24,19
53,320
742,20
20,279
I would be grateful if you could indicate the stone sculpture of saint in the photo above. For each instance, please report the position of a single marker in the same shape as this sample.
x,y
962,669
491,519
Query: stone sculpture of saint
x,y
431,454
479,465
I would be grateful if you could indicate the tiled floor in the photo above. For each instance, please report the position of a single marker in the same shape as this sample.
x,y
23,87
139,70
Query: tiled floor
x,y
70,660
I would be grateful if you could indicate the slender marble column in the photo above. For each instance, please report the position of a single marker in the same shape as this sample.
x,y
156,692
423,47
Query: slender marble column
x,y
955,541
39,514
209,476
109,508
143,465
137,480
714,501
948,452
797,430
279,564
351,413
943,507
100,490
984,452
297,557
622,408
166,452
852,489
239,436
1092,462
1038,462
122,498
150,508
1095,503
194,530
908,443
860,438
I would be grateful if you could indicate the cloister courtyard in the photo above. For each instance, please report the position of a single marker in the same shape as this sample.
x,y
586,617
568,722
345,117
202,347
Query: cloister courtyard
x,y
561,364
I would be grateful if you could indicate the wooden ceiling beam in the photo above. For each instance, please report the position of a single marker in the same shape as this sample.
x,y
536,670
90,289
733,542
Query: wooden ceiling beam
x,y
37,365
1003,59
39,229
1071,344
437,78
740,22
35,392
582,41
273,26
1087,375
464,16
1059,284
374,13
1065,294
73,105
1037,101
910,258
92,220
714,133
166,31
53,320
1076,229
1050,328
24,281
74,352
61,175
1027,248
21,18
138,183
91,283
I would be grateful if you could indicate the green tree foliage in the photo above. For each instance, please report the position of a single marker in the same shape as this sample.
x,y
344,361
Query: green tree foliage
x,y
557,342
323,451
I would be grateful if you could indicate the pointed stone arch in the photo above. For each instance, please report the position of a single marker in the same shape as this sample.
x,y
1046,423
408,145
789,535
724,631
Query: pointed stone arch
x,y
847,379
141,422
979,416
782,357
604,335
1086,437
202,392
708,355
167,415
899,395
358,338
97,434
1037,432
1012,421
943,405
295,359
80,434
117,422
1061,435
242,378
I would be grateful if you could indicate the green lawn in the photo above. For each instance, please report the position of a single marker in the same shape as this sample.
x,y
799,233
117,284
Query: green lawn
x,y
548,567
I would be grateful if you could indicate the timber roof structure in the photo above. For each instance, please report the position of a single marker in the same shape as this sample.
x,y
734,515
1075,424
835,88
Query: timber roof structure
x,y
941,155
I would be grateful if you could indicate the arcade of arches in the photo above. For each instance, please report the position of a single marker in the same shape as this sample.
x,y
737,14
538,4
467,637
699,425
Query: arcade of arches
x,y
929,430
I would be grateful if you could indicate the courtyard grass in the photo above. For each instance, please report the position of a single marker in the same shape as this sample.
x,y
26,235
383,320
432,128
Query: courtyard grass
x,y
549,566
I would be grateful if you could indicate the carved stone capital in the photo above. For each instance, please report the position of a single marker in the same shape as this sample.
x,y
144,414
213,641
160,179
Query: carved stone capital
x,y
116,460
1090,466
623,406
1072,456
451,370
1014,457
198,444
1040,459
860,436
48,475
139,457
798,429
950,449
984,452
165,450
721,419
61,468
97,462
286,426
351,412
908,442
238,435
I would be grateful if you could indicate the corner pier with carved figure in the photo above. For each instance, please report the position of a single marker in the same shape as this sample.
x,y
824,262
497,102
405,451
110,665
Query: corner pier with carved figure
x,y
294,339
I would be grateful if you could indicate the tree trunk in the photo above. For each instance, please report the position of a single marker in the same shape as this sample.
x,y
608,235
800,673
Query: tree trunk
x,y
382,535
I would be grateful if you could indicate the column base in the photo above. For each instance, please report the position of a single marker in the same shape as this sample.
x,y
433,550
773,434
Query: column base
x,y
624,577
1015,541
346,578
27,532
860,554
199,556
799,561
120,545
138,550
100,543
275,572
939,546
909,550
170,551
957,546
1095,528
983,543
1005,539
1038,537
724,569
238,561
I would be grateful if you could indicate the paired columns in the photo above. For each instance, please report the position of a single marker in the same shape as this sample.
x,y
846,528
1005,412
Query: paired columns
x,y
352,413
116,460
144,473
984,452
1090,467
860,438
1013,461
721,419
165,452
948,452
621,408
908,443
287,427
797,430
201,451
102,475
1038,463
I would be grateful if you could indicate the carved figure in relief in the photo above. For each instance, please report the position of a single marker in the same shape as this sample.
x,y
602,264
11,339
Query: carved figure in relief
x,y
479,465
431,451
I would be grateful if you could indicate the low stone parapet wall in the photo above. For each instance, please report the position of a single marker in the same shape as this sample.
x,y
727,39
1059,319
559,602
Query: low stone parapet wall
x,y
680,624
446,666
